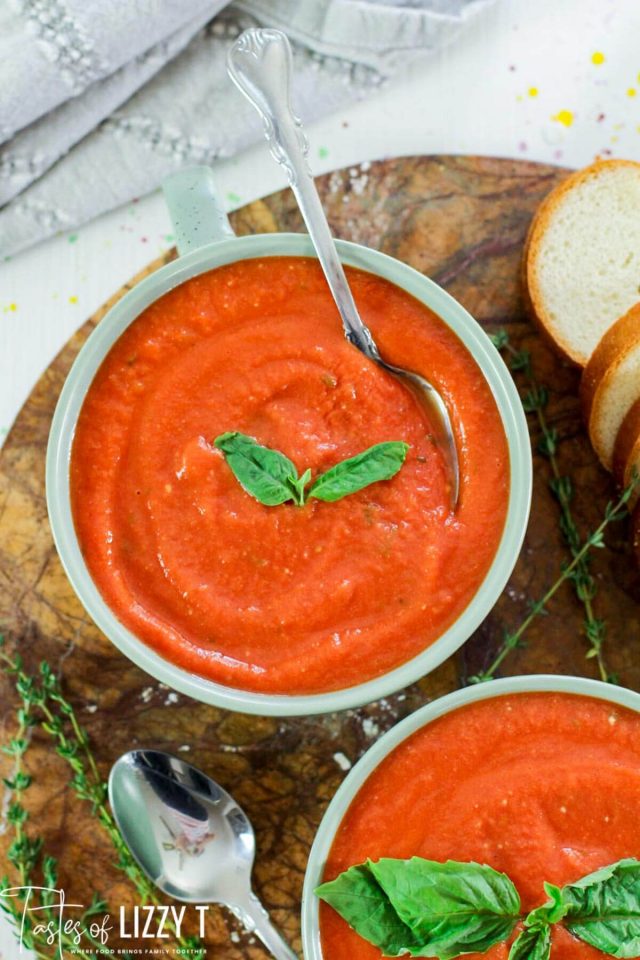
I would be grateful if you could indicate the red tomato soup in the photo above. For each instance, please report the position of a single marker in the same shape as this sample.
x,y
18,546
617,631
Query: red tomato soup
x,y
544,787
283,599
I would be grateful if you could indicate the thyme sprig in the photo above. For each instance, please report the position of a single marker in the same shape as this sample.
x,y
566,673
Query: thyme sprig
x,y
614,512
535,401
44,704
26,854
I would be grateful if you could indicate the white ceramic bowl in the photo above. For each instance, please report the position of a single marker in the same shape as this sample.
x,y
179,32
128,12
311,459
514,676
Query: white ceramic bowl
x,y
421,718
205,241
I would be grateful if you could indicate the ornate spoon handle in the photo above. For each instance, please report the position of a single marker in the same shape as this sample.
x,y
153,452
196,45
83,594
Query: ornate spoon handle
x,y
260,65
256,920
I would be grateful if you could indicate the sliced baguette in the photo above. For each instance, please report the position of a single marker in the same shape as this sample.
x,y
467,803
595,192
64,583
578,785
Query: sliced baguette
x,y
610,383
626,451
582,256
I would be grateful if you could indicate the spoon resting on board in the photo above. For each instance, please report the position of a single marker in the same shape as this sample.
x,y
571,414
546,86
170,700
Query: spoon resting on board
x,y
190,837
260,64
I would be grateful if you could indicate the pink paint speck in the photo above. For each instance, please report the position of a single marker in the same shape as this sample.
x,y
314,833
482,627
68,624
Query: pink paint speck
x,y
600,117
557,154
522,146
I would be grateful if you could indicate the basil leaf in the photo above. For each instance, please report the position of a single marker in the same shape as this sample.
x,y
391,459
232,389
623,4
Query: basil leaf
x,y
265,474
299,485
533,943
603,908
453,908
380,462
550,912
360,900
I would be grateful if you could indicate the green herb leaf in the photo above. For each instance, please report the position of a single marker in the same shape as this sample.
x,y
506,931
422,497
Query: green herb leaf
x,y
424,908
380,462
603,909
267,475
453,908
299,485
550,912
534,943
360,900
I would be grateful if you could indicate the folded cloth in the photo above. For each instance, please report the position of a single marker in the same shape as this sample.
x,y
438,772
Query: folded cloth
x,y
101,99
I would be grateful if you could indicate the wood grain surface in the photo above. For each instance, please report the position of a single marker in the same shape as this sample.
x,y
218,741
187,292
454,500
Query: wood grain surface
x,y
463,222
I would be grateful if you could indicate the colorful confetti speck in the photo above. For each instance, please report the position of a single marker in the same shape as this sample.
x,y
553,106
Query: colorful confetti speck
x,y
565,117
323,153
631,92
597,58
169,238
73,299
233,197
533,91
72,237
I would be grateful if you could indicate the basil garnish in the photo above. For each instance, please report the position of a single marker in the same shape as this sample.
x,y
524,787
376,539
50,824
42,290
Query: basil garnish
x,y
534,943
266,474
272,478
550,912
359,898
447,909
603,909
380,462
444,910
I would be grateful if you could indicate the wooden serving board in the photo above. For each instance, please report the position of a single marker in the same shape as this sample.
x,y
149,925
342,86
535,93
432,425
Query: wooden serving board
x,y
462,221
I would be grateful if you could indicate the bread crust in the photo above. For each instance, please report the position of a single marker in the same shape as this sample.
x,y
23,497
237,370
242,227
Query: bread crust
x,y
626,451
611,351
534,300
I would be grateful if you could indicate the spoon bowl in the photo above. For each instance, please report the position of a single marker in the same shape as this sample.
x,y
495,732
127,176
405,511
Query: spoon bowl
x,y
190,837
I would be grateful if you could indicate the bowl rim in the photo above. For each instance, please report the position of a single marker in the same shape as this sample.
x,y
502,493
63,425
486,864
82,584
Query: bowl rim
x,y
82,372
355,779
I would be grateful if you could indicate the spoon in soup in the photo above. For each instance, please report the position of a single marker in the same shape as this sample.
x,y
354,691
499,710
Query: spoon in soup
x,y
190,837
260,64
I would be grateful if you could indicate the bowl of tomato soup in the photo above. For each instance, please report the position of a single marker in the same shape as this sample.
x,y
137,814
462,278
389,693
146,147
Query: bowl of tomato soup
x,y
281,609
538,777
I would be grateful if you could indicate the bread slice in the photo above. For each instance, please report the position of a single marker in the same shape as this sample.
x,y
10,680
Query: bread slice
x,y
626,450
582,266
610,383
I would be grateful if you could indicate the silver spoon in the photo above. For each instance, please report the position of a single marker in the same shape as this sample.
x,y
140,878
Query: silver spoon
x,y
260,64
190,837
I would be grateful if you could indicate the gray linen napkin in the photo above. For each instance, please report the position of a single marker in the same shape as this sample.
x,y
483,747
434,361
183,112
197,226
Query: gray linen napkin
x,y
101,99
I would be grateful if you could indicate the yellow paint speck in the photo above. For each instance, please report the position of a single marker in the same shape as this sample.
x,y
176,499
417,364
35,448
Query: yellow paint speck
x,y
565,117
73,299
631,92
519,98
597,58
533,91
13,307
